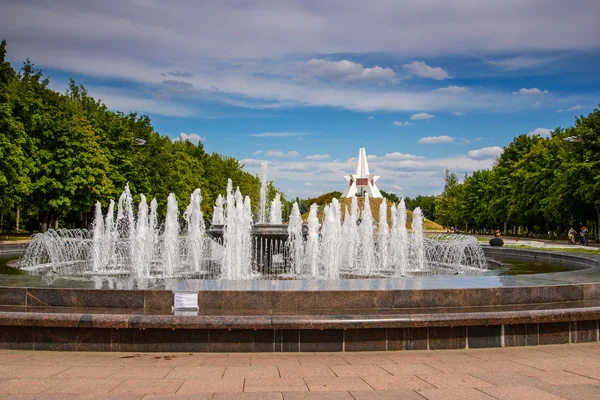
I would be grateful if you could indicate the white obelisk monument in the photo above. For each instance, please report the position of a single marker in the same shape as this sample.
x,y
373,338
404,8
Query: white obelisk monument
x,y
362,182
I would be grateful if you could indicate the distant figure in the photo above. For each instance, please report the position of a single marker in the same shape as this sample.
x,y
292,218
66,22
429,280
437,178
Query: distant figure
x,y
496,241
572,234
584,236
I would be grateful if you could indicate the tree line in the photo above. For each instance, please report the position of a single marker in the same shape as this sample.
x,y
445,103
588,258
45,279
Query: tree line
x,y
62,152
538,184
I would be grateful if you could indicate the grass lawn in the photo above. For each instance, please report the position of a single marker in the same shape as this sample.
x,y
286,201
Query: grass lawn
x,y
574,249
14,237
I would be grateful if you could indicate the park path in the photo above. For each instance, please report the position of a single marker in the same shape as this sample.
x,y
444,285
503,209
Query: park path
x,y
546,372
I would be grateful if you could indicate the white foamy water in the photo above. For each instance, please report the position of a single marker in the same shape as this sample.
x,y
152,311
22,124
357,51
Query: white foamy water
x,y
340,245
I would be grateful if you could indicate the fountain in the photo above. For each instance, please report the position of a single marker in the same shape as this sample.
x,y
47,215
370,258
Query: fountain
x,y
263,192
346,245
339,282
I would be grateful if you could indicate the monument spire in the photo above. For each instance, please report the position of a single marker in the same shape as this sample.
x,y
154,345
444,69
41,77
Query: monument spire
x,y
362,182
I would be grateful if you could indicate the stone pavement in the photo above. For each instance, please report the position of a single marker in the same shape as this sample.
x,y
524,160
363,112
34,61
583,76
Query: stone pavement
x,y
545,372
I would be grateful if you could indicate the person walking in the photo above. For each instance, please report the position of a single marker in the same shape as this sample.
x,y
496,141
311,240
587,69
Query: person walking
x,y
584,236
572,234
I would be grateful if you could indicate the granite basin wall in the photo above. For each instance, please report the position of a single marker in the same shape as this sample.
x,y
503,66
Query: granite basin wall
x,y
308,340
283,301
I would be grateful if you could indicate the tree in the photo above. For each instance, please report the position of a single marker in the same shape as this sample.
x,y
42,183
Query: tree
x,y
447,204
390,196
585,163
15,165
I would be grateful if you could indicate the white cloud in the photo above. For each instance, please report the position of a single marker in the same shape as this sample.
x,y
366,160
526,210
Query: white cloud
x,y
418,116
278,134
423,70
531,92
452,89
485,153
544,132
402,156
251,162
578,107
346,71
371,117
537,104
258,90
191,137
458,113
257,152
520,62
317,157
436,139
279,153
400,123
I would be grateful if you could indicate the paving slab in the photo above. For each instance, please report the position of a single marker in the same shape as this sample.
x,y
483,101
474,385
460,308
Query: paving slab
x,y
88,386
201,385
387,383
387,395
248,396
274,385
451,381
149,386
519,393
196,372
454,394
252,372
574,392
87,372
197,396
305,371
24,386
336,384
318,396
359,370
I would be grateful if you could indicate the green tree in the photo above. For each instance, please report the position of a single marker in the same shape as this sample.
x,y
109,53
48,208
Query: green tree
x,y
584,165
15,165
447,204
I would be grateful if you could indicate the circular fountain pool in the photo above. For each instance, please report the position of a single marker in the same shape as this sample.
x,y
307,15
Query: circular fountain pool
x,y
560,303
348,284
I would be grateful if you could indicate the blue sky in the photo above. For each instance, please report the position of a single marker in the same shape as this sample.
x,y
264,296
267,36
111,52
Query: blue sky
x,y
424,86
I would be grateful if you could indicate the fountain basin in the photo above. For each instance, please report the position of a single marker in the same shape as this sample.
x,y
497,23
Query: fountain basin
x,y
448,312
